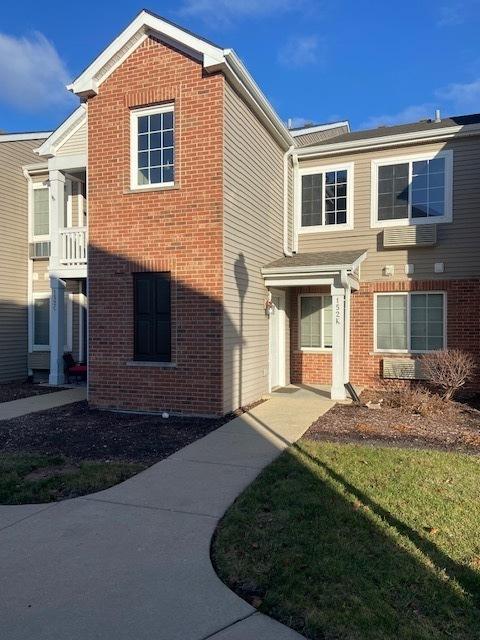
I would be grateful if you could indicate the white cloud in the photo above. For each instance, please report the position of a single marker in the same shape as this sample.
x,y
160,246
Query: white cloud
x,y
463,98
225,11
412,113
301,51
451,15
32,74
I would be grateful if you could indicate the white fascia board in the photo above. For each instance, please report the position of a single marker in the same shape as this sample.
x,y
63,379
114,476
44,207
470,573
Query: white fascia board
x,y
74,121
36,167
428,135
15,137
86,81
320,127
236,71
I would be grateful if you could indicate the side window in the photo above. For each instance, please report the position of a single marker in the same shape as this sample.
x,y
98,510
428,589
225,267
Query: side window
x,y
326,198
315,322
40,203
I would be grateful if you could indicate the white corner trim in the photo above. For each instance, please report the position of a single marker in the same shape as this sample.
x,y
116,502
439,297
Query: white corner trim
x,y
409,158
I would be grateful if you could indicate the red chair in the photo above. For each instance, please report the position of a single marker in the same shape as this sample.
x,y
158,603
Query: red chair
x,y
73,369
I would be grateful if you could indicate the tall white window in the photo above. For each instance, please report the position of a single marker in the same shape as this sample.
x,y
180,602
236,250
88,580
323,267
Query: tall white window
x,y
40,211
412,190
315,313
410,322
152,147
326,198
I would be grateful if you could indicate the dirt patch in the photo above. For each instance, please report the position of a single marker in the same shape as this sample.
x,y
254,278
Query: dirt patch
x,y
18,390
80,433
453,426
52,472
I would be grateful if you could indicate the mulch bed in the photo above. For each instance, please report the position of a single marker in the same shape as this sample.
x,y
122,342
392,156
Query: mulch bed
x,y
18,390
80,433
456,428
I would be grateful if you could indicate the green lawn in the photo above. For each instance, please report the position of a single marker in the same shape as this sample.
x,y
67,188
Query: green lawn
x,y
353,542
41,478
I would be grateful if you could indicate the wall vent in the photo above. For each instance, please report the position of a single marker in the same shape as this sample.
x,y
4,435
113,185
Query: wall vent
x,y
422,235
39,250
403,369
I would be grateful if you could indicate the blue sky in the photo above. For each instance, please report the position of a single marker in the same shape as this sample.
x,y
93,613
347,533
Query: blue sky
x,y
372,62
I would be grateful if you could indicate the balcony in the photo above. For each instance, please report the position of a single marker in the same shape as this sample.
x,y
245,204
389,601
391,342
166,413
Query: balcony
x,y
73,249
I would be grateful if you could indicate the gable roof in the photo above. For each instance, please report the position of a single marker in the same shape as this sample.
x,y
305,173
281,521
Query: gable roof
x,y
212,57
68,127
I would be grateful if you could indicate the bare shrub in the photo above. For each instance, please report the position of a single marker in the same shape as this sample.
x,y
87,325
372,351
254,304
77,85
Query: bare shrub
x,y
416,399
449,370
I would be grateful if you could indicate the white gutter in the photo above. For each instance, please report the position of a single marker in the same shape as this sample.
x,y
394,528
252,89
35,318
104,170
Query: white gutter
x,y
14,137
388,141
319,127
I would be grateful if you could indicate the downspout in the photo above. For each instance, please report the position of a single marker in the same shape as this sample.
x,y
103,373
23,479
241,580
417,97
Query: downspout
x,y
286,157
346,351
296,195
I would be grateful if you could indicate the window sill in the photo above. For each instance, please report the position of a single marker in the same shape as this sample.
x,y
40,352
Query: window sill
x,y
150,363
401,353
331,228
410,222
169,187
315,350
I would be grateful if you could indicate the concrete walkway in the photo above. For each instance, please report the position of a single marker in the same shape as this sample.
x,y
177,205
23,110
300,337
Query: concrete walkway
x,y
17,408
133,562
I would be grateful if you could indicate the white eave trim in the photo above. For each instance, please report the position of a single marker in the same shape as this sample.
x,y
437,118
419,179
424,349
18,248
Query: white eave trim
x,y
319,127
213,59
58,137
15,137
428,135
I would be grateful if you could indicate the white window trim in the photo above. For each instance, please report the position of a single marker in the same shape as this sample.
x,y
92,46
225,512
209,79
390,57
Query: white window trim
x,y
33,187
322,349
42,295
135,114
409,296
405,222
327,228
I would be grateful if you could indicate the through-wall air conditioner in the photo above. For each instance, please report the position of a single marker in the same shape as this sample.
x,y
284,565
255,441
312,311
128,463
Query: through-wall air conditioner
x,y
39,250
414,236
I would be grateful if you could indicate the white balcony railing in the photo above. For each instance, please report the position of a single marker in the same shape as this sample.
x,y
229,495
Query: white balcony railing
x,y
73,246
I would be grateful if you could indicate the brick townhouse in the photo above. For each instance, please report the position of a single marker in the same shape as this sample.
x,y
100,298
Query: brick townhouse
x,y
200,253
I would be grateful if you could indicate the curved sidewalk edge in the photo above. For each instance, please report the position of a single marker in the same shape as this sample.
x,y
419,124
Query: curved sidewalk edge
x,y
133,561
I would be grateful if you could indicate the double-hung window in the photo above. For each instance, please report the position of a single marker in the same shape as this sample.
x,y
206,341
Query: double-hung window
x,y
410,322
152,147
315,313
412,190
326,198
40,211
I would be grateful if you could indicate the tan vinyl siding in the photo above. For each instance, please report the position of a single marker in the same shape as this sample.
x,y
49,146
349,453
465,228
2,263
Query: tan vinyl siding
x,y
253,236
457,242
75,144
14,257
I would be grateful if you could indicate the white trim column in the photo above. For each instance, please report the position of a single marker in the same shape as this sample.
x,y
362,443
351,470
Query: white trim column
x,y
57,212
57,330
338,342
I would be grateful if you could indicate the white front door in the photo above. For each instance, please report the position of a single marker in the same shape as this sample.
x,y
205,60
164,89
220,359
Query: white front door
x,y
277,340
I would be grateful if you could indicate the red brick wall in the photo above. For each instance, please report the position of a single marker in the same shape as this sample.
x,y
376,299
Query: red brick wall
x,y
177,229
463,331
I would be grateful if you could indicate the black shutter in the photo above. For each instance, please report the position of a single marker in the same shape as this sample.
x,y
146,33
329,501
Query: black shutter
x,y
152,316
